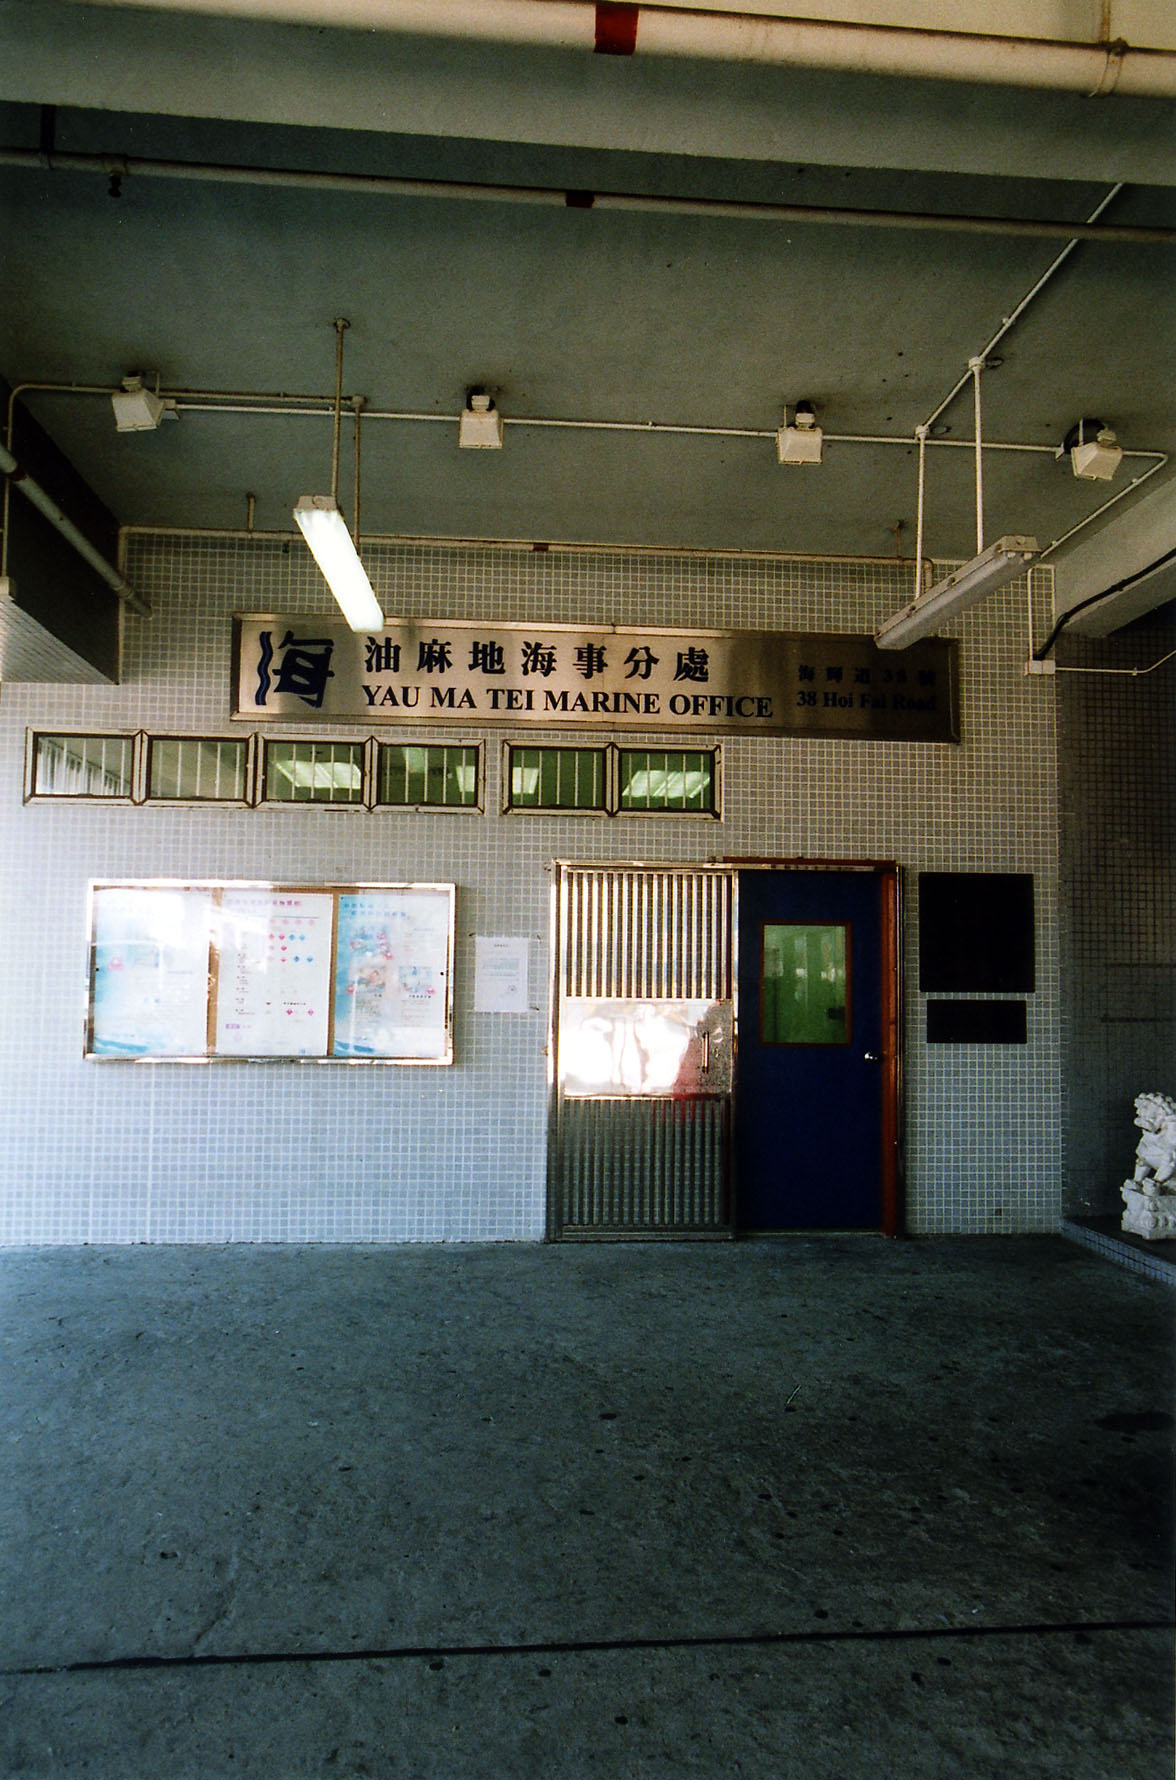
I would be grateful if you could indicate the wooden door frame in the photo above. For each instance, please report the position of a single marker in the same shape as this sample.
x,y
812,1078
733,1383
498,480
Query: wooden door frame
x,y
890,970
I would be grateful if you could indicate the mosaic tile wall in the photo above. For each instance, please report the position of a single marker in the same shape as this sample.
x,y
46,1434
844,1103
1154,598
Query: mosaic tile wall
x,y
245,1152
1117,750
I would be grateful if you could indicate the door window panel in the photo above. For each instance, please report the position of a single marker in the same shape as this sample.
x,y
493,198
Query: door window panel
x,y
804,978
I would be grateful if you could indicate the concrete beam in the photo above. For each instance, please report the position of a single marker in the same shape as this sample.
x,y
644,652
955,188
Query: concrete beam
x,y
108,58
1124,548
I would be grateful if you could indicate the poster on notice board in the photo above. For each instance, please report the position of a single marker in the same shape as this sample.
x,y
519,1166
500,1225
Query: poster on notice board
x,y
205,972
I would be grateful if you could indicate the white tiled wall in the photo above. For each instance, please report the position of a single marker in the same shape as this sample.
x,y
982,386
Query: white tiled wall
x,y
1117,777
125,1153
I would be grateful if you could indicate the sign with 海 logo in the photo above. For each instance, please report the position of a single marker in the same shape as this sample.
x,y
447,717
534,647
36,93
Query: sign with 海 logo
x,y
419,671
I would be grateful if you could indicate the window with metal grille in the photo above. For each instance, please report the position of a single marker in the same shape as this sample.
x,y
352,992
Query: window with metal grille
x,y
82,766
314,772
434,775
555,779
666,779
197,768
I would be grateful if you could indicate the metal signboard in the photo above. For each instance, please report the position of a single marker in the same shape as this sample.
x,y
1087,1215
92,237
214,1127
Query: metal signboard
x,y
419,671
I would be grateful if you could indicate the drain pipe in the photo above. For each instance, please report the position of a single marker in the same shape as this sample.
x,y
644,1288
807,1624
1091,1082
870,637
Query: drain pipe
x,y
19,477
1094,68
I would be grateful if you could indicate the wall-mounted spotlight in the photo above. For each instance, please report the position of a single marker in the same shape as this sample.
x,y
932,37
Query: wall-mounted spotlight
x,y
138,409
1093,452
802,442
481,423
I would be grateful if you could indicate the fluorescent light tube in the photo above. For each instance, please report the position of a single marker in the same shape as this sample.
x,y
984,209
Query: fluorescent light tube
x,y
1001,562
325,530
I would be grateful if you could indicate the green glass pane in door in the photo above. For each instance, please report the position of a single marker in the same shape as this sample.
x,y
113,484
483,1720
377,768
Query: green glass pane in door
x,y
804,973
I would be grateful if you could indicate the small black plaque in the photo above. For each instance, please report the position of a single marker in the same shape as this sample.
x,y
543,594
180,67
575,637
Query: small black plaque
x,y
976,1023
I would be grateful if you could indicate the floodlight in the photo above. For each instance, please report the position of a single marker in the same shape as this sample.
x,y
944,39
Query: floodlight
x,y
137,409
480,428
802,442
1094,452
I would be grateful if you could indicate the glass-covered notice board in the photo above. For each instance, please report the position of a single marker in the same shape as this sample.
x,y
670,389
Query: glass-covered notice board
x,y
204,972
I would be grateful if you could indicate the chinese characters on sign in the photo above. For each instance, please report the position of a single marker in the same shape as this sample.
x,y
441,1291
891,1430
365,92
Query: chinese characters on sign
x,y
707,682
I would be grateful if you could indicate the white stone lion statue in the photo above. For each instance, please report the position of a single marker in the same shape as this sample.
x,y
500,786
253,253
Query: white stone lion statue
x,y
1150,1194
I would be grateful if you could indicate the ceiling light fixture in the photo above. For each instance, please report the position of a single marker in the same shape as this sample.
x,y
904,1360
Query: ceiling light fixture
x,y
480,428
957,591
1093,452
989,569
321,523
138,409
323,526
803,441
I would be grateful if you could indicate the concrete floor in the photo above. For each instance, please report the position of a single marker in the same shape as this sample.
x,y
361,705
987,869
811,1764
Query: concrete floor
x,y
831,1508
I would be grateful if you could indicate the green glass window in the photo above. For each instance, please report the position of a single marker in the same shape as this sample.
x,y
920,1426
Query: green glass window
x,y
666,779
198,768
804,985
556,779
314,772
83,766
437,775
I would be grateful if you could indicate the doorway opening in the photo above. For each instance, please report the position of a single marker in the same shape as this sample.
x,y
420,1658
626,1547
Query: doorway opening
x,y
726,1050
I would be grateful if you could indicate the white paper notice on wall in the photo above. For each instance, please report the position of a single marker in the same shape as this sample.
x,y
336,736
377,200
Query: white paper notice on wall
x,y
500,975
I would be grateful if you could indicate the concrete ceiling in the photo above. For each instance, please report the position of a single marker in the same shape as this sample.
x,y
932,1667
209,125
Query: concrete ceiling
x,y
589,314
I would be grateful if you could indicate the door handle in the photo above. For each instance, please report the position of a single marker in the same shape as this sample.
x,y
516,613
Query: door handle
x,y
871,1057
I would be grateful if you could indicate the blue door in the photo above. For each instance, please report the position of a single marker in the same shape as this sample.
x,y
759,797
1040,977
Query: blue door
x,y
816,1084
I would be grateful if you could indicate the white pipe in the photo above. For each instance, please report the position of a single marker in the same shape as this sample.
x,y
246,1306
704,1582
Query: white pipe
x,y
1010,320
552,546
45,504
976,366
242,402
921,436
313,407
977,363
1133,672
1161,460
1083,67
126,166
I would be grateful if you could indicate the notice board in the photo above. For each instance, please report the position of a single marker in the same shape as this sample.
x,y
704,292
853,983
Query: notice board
x,y
207,972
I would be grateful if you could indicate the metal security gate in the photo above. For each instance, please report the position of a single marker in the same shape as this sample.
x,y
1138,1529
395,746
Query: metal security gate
x,y
640,1129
